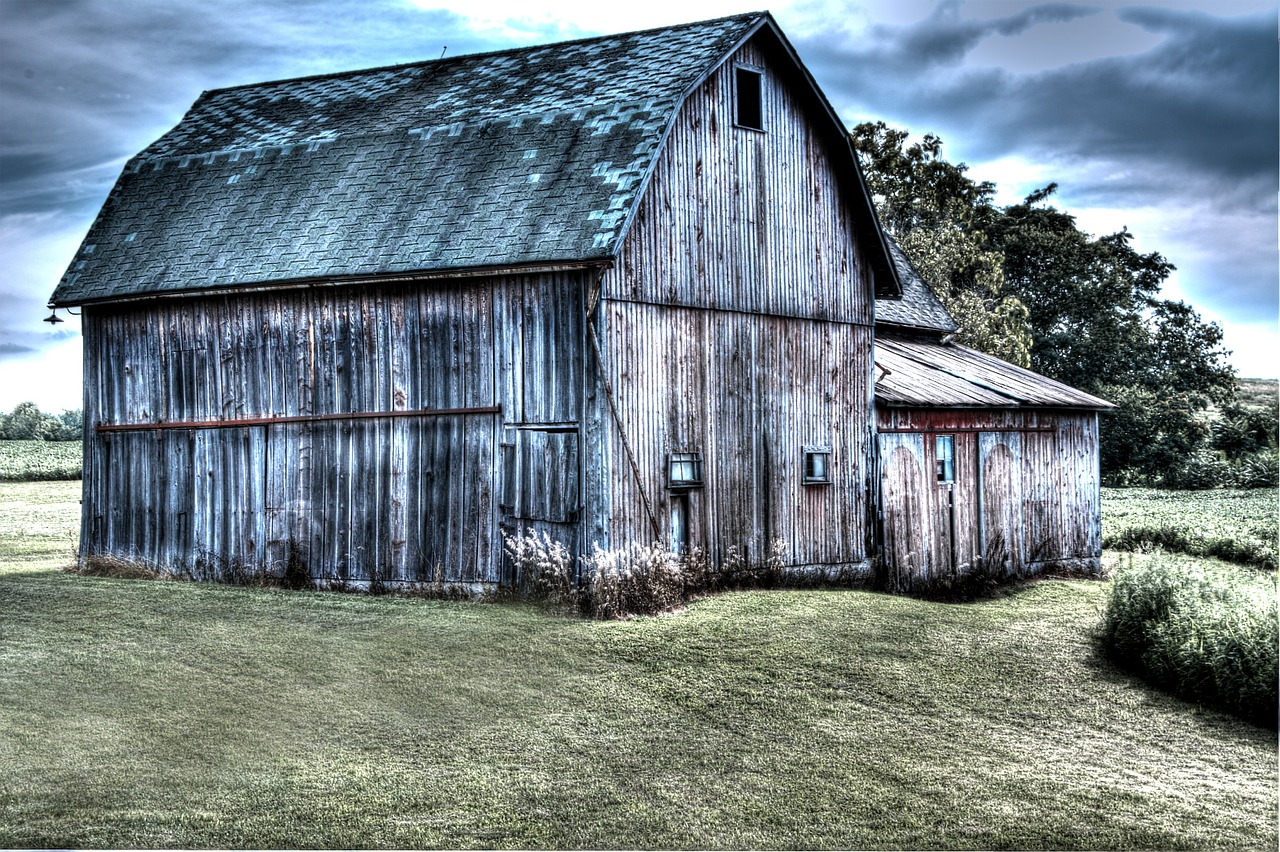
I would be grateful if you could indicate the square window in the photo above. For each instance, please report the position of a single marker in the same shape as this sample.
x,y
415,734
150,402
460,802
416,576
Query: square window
x,y
945,455
748,98
684,471
817,465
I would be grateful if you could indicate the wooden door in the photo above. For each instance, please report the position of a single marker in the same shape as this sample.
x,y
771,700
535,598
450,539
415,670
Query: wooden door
x,y
1000,496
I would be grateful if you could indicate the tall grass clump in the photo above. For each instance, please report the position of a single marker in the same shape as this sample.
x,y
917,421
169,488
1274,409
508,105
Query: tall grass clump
x,y
633,580
544,567
1203,632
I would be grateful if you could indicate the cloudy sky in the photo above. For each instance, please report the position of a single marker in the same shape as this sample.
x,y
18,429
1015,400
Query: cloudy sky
x,y
1158,116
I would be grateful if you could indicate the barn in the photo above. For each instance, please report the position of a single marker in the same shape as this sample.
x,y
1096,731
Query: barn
x,y
357,327
985,467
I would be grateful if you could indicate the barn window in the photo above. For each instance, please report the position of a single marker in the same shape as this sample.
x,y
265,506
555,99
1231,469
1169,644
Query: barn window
x,y
946,453
817,465
684,471
748,103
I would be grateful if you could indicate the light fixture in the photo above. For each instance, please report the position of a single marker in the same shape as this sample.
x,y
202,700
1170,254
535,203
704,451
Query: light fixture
x,y
53,317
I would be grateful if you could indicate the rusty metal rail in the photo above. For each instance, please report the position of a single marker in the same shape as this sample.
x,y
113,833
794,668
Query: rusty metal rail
x,y
301,418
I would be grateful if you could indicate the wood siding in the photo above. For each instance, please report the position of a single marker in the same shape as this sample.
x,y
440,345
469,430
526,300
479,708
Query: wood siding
x,y
744,220
1025,497
737,324
402,498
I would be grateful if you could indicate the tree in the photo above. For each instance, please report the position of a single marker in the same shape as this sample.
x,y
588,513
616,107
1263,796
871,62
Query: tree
x,y
28,423
934,210
1027,285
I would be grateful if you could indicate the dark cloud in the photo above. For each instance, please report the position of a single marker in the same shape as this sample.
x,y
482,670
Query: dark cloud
x,y
945,38
85,85
1204,99
1189,124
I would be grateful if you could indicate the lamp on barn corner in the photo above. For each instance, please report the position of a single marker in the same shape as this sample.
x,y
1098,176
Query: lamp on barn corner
x,y
53,317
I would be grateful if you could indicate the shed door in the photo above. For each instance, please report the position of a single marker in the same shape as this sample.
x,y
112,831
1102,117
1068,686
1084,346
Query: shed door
x,y
541,474
906,524
1000,493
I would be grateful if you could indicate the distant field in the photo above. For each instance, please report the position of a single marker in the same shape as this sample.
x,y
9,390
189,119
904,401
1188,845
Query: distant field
x,y
1237,526
1258,392
39,461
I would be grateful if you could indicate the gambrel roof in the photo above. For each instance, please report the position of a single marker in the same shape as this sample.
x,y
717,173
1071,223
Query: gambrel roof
x,y
515,159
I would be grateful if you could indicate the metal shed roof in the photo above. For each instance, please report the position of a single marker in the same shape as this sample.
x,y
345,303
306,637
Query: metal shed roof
x,y
518,158
927,373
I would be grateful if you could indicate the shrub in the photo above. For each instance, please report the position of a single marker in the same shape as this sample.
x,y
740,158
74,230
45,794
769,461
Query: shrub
x,y
545,566
635,580
1257,470
1208,634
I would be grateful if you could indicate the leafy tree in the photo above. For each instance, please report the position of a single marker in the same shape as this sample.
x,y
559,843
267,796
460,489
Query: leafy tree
x,y
934,211
28,423
1027,285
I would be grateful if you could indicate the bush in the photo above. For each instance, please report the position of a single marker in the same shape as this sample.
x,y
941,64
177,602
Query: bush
x,y
1208,634
1257,470
633,580
636,580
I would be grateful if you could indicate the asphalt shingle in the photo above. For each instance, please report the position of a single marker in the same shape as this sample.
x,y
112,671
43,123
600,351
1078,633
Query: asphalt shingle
x,y
520,157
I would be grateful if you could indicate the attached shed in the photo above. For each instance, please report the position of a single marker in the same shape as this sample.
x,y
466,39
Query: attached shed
x,y
983,465
358,325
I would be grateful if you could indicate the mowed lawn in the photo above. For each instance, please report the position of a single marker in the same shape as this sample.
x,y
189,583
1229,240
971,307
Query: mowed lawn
x,y
145,713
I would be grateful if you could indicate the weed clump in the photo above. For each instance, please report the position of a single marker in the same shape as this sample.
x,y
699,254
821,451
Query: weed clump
x,y
1204,633
635,579
115,567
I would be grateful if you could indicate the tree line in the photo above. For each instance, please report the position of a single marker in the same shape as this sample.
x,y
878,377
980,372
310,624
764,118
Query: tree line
x,y
28,423
1025,284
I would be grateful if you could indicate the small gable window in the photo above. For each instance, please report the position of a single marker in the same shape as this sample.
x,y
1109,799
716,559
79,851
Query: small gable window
x,y
748,97
817,465
946,453
684,471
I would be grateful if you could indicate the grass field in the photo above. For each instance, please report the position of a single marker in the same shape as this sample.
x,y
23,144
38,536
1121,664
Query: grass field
x,y
1240,526
145,713
29,461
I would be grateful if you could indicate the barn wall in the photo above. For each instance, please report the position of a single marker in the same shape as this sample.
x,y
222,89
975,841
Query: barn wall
x,y
744,220
749,393
1025,498
737,324
349,499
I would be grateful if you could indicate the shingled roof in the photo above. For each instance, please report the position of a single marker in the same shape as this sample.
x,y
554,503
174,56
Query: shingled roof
x,y
918,308
517,158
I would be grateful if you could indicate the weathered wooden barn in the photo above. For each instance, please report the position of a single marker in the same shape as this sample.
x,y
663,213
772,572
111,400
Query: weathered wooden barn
x,y
984,465
619,289
357,326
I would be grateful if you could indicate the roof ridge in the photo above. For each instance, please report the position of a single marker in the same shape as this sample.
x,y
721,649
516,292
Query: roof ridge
x,y
482,55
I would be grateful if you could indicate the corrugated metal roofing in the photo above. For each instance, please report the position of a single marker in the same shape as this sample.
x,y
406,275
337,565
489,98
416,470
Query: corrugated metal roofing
x,y
520,157
918,307
932,374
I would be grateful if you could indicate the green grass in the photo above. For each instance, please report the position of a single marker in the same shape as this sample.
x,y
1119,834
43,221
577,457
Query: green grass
x,y
33,461
147,713
39,525
1235,525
